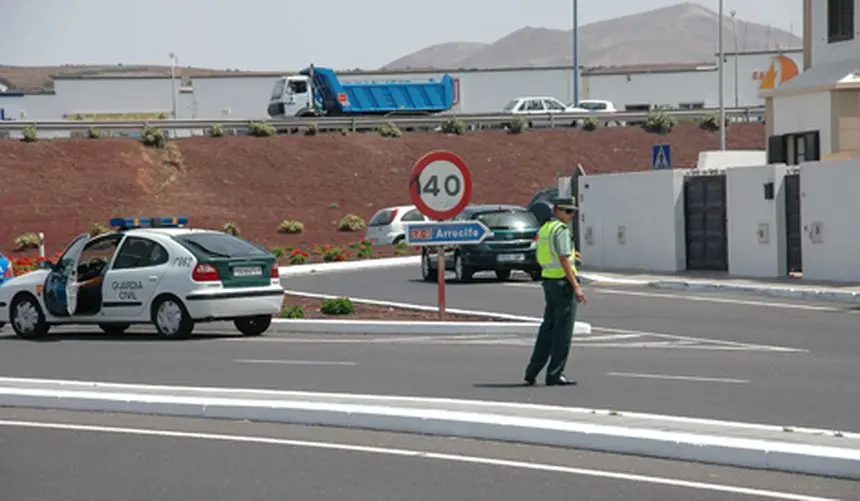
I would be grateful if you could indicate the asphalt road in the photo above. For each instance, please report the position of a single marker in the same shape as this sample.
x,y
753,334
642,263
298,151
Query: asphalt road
x,y
145,458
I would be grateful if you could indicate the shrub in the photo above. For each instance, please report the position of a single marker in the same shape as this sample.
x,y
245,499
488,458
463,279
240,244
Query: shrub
x,y
401,248
311,130
153,137
389,130
231,228
453,126
711,122
352,222
27,241
98,229
217,130
590,123
262,129
291,226
363,248
94,133
517,126
658,122
337,306
292,311
335,254
298,256
29,134
278,252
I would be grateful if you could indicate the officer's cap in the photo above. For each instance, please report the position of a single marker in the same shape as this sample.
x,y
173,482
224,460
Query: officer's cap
x,y
564,203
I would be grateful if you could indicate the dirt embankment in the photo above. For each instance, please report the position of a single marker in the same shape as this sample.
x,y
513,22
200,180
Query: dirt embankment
x,y
62,187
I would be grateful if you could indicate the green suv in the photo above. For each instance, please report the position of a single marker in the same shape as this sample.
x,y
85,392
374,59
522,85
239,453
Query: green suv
x,y
512,246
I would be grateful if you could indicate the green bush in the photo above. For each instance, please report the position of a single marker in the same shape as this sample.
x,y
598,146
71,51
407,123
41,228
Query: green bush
x,y
278,252
401,248
517,126
590,123
453,125
363,249
292,311
291,226
337,306
298,257
29,134
311,130
352,222
389,130
98,229
27,241
262,129
659,122
231,228
153,137
217,130
94,133
711,122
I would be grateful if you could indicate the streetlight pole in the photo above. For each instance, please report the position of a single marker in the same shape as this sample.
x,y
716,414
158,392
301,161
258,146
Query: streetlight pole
x,y
722,85
737,62
173,60
575,34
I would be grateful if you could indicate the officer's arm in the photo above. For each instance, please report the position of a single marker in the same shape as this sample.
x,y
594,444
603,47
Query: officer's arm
x,y
564,258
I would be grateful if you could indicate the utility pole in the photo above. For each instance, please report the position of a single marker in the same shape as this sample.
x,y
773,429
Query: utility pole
x,y
575,53
722,85
173,60
737,56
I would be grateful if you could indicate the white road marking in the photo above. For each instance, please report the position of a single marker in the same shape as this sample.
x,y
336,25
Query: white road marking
x,y
679,378
749,346
710,299
291,362
487,461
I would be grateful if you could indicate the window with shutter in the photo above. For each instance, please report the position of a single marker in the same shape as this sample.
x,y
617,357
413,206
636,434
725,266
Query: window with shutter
x,y
840,20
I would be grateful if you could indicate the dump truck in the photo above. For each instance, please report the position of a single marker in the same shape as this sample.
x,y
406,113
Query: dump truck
x,y
317,91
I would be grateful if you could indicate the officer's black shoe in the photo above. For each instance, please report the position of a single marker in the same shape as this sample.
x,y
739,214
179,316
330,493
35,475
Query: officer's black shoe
x,y
560,381
530,381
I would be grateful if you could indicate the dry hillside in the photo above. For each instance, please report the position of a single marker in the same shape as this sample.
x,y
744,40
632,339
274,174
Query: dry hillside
x,y
61,187
642,38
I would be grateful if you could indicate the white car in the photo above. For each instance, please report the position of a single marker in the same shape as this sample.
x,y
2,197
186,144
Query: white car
x,y
542,106
388,225
148,271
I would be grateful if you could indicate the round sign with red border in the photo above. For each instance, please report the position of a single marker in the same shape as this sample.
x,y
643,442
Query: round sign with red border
x,y
441,185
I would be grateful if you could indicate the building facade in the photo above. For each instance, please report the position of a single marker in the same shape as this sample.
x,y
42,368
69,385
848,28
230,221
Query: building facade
x,y
816,116
246,95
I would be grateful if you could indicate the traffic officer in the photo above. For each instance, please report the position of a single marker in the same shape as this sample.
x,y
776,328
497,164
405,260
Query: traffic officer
x,y
556,255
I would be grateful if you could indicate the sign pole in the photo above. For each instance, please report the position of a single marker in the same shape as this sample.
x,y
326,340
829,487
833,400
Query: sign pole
x,y
440,270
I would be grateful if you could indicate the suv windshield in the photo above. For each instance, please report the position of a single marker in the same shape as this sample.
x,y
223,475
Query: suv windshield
x,y
220,245
508,220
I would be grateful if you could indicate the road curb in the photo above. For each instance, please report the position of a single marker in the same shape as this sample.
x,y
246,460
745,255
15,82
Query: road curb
x,y
342,266
613,438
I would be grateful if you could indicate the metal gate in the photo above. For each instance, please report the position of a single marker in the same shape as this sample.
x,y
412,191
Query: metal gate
x,y
705,219
794,236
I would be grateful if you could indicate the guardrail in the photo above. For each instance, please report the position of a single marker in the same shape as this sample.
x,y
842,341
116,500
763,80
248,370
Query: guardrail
x,y
357,123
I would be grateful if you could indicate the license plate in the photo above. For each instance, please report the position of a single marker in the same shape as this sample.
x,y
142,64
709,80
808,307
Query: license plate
x,y
507,258
247,271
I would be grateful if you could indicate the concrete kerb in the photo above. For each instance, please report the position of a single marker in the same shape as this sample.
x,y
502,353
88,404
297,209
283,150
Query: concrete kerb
x,y
605,437
509,324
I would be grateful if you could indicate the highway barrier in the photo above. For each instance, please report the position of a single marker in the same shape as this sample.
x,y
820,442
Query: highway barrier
x,y
360,123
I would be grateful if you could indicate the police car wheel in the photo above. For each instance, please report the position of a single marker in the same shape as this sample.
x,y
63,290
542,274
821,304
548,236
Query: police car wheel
x,y
27,318
171,319
114,329
253,326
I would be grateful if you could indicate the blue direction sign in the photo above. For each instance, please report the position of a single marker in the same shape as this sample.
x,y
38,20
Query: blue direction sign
x,y
447,233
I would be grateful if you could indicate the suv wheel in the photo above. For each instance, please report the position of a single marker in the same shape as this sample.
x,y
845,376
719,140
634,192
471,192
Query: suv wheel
x,y
503,274
427,271
461,271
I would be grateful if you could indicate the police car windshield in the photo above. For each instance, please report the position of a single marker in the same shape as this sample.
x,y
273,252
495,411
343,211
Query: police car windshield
x,y
221,245
508,219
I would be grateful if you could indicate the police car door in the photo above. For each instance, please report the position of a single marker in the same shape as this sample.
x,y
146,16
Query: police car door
x,y
133,278
61,285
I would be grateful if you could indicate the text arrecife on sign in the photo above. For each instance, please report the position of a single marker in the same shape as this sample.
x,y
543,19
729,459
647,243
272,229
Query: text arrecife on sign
x,y
448,234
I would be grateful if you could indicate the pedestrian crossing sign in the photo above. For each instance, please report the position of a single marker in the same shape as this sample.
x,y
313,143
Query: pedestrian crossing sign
x,y
661,157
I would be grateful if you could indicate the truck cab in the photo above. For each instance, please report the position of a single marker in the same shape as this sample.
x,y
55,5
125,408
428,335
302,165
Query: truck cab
x,y
292,96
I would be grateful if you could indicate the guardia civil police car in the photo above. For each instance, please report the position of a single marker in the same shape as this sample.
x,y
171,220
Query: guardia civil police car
x,y
148,270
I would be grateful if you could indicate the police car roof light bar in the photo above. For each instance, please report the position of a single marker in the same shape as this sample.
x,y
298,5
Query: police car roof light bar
x,y
125,223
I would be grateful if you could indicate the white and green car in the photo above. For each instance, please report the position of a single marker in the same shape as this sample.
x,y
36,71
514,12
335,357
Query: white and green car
x,y
148,271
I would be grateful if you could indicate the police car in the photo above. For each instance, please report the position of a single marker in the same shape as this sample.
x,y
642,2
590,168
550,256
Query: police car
x,y
149,270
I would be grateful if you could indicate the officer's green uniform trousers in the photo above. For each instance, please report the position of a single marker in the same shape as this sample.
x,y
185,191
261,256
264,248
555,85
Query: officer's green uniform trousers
x,y
556,330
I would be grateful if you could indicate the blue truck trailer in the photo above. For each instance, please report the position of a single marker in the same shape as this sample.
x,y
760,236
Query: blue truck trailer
x,y
317,91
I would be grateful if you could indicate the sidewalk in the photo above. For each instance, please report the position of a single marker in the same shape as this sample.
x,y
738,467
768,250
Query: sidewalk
x,y
791,288
817,452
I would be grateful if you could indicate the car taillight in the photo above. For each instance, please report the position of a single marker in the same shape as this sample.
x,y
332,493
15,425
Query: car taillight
x,y
205,273
275,273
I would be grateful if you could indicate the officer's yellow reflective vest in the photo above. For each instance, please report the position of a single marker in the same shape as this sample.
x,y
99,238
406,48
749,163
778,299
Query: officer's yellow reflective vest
x,y
546,253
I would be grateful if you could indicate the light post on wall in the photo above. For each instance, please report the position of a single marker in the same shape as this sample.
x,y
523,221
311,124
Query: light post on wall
x,y
173,61
575,36
735,33
722,85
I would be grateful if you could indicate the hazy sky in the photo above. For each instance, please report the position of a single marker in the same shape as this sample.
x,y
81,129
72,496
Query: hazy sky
x,y
290,34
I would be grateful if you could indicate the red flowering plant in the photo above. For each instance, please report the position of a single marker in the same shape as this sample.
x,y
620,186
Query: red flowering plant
x,y
22,265
335,254
298,256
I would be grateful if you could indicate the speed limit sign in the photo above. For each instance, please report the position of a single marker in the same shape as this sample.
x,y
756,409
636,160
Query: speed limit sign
x,y
441,185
